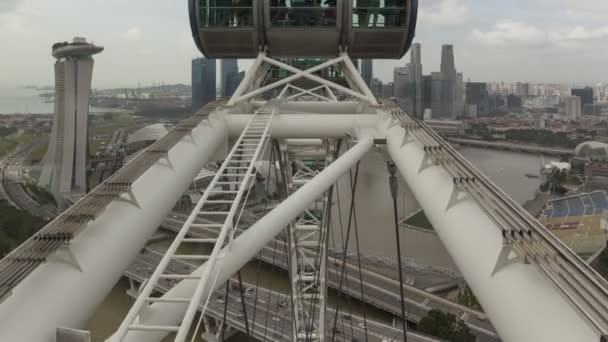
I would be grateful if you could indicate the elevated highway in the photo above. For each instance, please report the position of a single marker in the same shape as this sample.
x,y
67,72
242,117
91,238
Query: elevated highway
x,y
268,312
509,146
379,289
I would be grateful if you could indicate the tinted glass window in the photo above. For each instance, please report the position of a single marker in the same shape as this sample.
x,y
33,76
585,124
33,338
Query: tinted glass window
x,y
303,13
379,13
226,13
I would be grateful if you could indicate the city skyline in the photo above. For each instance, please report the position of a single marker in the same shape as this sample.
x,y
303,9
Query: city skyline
x,y
494,42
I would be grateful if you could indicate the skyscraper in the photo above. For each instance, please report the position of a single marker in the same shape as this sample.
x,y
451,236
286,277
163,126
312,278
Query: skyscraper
x,y
586,95
64,167
477,99
570,106
416,79
367,71
229,76
402,88
448,69
204,89
440,90
427,91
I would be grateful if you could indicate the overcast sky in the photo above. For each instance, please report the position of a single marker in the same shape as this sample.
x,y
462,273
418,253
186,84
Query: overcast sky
x,y
149,41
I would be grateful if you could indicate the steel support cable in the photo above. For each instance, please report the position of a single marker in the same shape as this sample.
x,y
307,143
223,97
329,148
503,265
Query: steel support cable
x,y
244,305
529,245
353,193
345,245
226,298
333,240
322,244
536,250
394,185
541,231
532,248
345,252
259,262
286,237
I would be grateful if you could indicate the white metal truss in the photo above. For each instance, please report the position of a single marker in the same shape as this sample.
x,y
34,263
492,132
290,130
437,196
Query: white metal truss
x,y
308,250
228,188
249,88
311,93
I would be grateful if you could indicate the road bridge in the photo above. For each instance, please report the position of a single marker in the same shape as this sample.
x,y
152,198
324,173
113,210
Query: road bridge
x,y
379,289
502,145
268,312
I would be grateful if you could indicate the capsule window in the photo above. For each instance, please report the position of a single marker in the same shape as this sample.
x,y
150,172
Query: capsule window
x,y
226,13
303,13
379,13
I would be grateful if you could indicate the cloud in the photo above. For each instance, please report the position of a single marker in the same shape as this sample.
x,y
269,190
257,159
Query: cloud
x,y
133,34
511,33
8,5
518,34
579,33
444,13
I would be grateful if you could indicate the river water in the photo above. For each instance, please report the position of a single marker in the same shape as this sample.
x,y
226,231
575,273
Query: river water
x,y
27,101
375,227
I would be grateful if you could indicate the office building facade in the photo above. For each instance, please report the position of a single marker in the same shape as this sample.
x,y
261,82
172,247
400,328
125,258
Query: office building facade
x,y
230,78
570,107
204,80
367,71
586,95
477,99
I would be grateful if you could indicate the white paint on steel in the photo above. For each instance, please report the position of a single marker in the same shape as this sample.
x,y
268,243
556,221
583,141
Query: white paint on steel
x,y
247,81
248,244
305,126
297,75
522,304
59,295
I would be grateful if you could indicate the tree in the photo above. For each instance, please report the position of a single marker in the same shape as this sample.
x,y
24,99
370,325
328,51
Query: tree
x,y
447,326
467,298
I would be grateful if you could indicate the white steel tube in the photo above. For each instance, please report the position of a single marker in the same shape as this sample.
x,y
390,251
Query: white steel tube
x,y
248,79
105,248
248,244
304,142
307,126
522,304
359,82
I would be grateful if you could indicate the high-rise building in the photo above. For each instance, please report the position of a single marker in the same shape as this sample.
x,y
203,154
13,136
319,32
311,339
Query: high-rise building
x,y
449,96
427,91
417,79
388,90
367,71
204,88
440,91
64,167
459,92
477,96
522,89
514,102
377,87
403,89
570,107
229,76
586,95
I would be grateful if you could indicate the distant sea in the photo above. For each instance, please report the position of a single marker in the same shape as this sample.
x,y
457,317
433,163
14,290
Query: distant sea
x,y
20,100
